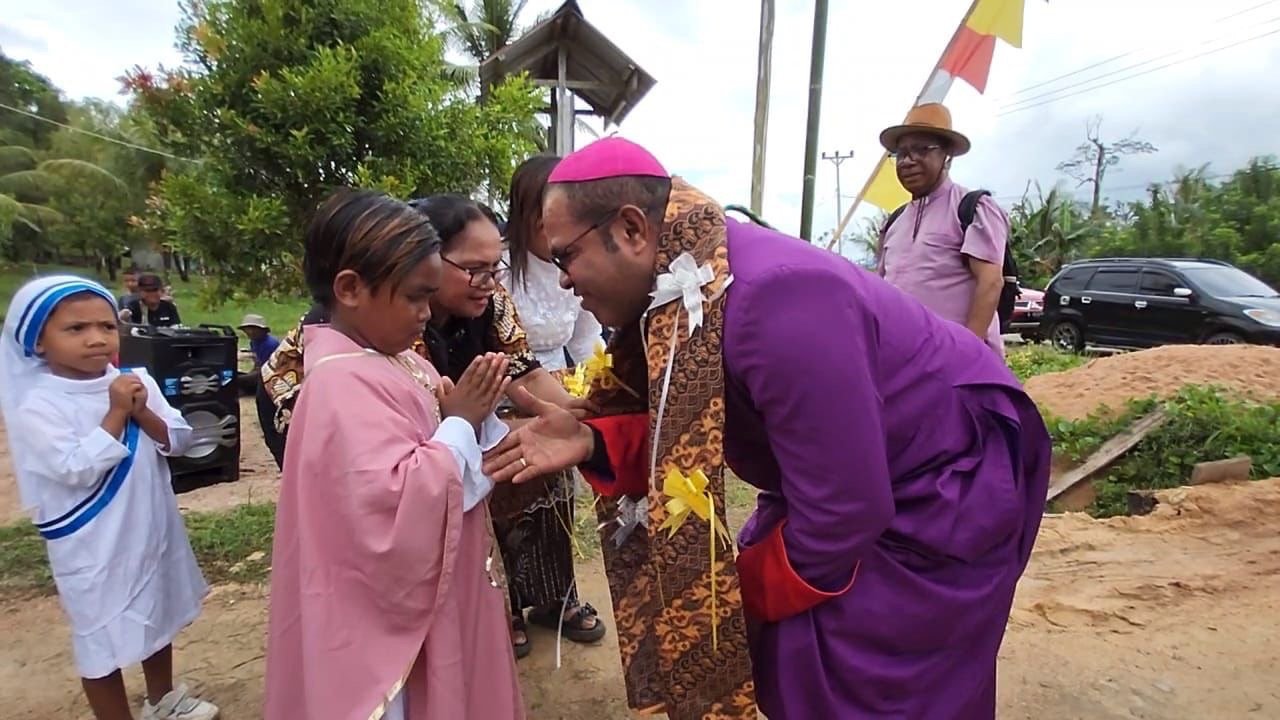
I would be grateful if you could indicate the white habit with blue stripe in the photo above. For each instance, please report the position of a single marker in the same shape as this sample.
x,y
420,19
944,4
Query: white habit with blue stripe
x,y
119,553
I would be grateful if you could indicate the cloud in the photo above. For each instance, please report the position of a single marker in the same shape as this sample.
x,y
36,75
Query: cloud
x,y
1218,108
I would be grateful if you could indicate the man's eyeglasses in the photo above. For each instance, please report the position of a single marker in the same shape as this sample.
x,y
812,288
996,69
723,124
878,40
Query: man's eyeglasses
x,y
560,256
480,277
915,152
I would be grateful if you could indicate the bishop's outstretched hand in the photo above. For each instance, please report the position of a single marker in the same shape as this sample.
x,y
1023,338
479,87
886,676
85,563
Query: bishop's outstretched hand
x,y
552,441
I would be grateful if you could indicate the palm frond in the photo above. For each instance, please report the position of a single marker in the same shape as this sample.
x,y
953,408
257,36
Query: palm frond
x,y
17,157
29,183
80,168
41,215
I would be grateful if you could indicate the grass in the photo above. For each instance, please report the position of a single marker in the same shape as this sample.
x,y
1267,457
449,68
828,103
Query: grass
x,y
1028,361
230,546
189,298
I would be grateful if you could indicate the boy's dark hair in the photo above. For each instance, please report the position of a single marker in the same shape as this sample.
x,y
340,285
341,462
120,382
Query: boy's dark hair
x,y
450,213
150,281
378,237
528,186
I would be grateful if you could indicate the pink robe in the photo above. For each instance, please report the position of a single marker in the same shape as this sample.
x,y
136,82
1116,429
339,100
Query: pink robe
x,y
376,569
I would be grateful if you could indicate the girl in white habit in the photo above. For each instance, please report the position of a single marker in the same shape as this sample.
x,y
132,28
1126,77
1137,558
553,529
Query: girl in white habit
x,y
551,316
88,444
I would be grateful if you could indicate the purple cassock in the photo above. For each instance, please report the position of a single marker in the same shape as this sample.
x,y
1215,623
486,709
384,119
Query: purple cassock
x,y
903,474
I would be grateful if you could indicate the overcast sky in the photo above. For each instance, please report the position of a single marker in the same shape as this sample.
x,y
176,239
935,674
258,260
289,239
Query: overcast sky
x,y
1198,100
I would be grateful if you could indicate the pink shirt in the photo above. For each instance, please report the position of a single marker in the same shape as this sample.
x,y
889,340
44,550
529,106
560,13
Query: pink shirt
x,y
928,261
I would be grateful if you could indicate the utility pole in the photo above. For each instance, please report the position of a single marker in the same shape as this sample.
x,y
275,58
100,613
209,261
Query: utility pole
x,y
836,159
764,70
816,60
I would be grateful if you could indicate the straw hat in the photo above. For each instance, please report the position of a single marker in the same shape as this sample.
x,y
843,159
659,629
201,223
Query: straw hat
x,y
931,118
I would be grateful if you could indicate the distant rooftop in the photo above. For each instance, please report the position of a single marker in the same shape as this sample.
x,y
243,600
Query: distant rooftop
x,y
596,70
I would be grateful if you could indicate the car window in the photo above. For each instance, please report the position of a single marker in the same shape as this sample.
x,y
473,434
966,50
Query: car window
x,y
1117,281
1229,282
1072,280
1155,282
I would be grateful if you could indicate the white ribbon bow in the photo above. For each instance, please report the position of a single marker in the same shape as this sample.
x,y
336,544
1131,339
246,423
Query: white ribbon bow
x,y
631,515
684,280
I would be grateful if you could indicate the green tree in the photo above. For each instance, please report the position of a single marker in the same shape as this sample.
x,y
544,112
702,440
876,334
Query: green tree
x,y
1047,232
25,89
283,100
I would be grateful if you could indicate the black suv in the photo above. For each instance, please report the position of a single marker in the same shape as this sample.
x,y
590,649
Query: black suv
x,y
1144,302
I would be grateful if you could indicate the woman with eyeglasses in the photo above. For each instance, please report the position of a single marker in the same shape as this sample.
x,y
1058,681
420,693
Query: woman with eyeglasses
x,y
471,314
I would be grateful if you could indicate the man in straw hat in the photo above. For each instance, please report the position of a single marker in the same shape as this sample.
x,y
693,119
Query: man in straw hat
x,y
947,246
261,344
902,470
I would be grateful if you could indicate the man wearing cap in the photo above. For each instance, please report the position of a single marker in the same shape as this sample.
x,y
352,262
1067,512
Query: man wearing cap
x,y
150,307
902,470
261,343
926,248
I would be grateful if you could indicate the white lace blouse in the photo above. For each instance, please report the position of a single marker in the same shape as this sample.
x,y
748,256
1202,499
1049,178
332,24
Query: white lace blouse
x,y
553,317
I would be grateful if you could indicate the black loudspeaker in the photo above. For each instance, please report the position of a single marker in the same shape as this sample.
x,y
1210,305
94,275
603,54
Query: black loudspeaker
x,y
195,369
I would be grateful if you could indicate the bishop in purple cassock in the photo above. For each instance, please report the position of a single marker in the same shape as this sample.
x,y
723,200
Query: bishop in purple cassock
x,y
901,468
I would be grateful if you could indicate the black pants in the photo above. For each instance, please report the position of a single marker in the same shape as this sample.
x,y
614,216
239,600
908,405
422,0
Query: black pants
x,y
267,419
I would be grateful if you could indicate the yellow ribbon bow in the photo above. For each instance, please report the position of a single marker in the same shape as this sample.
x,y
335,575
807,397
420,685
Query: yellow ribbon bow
x,y
577,383
689,494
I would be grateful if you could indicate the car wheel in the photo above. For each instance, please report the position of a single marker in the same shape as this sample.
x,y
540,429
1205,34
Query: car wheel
x,y
1067,337
1224,338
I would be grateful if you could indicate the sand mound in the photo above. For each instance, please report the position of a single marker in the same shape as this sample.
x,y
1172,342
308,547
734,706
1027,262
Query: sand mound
x,y
1251,370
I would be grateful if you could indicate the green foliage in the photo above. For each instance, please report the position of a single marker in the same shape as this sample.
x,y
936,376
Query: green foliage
x,y
1076,440
24,88
1048,232
285,100
231,546
1028,361
1204,424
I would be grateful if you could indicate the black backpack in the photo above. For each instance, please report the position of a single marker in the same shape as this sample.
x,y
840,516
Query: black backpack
x,y
965,213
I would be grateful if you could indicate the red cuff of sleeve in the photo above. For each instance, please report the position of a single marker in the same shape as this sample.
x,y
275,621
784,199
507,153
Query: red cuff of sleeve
x,y
626,441
771,589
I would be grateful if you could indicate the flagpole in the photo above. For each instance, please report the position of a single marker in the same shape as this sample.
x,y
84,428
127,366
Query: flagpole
x,y
924,88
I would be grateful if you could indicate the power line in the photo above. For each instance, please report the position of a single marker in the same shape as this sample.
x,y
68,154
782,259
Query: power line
x,y
1124,55
90,133
1121,70
1017,109
1122,188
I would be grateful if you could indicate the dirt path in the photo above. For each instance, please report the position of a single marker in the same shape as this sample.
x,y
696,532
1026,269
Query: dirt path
x,y
1171,616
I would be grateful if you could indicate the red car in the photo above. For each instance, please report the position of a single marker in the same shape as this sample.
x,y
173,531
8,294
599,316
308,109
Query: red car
x,y
1027,312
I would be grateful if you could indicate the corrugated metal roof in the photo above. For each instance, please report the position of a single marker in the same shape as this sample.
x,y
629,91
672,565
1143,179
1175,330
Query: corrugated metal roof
x,y
597,71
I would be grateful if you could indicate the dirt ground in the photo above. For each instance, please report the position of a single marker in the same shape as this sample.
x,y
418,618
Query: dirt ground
x,y
1250,370
1170,616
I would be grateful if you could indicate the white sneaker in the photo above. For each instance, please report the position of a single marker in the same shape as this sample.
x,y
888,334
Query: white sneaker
x,y
179,705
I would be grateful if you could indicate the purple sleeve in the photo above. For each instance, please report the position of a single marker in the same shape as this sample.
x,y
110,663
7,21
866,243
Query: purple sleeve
x,y
986,237
804,346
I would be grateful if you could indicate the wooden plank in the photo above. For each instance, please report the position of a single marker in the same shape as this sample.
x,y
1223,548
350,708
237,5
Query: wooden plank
x,y
1110,451
1229,470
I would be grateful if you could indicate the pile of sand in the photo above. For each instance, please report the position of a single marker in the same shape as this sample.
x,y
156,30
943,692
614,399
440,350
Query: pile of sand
x,y
1251,370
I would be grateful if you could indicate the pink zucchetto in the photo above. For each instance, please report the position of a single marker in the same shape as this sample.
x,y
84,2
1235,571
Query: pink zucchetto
x,y
608,158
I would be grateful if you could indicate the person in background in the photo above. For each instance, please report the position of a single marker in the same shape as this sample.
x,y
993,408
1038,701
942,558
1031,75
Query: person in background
x,y
561,334
956,272
150,308
471,315
130,279
261,344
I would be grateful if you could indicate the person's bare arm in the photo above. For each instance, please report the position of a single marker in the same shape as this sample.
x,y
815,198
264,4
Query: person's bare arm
x,y
986,295
544,386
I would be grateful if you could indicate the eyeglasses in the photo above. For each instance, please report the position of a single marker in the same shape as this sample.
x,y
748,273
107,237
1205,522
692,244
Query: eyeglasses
x,y
479,277
560,257
915,152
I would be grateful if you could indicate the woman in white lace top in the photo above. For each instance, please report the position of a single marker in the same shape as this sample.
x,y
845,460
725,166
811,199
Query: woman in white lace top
x,y
552,317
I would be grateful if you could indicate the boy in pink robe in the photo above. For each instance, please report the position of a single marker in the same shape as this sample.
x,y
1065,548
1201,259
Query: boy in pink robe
x,y
382,603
